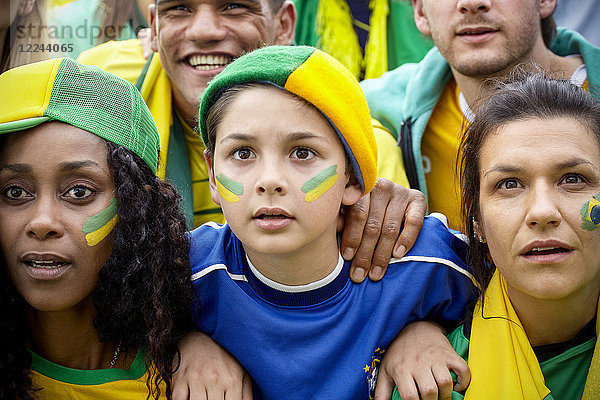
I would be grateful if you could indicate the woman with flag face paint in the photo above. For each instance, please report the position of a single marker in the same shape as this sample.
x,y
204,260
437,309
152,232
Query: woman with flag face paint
x,y
531,184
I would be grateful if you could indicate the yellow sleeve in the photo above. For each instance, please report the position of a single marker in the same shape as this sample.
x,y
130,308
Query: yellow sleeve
x,y
389,156
123,58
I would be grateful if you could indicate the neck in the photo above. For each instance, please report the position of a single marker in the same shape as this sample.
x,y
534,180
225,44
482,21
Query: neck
x,y
473,87
68,338
553,321
302,267
189,114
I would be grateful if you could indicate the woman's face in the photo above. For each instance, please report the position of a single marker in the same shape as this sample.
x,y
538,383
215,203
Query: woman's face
x,y
53,178
537,177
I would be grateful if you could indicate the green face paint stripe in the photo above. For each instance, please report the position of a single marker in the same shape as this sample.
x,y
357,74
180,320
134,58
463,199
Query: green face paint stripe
x,y
319,178
97,221
590,213
231,185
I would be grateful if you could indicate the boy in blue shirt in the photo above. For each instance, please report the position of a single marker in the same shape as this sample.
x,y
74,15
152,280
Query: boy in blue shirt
x,y
289,140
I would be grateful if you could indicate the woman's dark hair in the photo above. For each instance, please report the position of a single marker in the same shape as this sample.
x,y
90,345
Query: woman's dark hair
x,y
522,96
143,294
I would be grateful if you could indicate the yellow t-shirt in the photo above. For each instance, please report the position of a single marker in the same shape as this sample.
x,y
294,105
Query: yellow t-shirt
x,y
57,382
439,146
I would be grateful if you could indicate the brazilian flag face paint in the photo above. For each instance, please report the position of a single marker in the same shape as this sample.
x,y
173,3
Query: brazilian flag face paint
x,y
590,213
229,189
319,184
98,226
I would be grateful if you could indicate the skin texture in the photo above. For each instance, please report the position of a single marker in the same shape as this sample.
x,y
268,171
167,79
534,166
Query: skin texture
x,y
53,178
185,28
272,144
485,38
532,198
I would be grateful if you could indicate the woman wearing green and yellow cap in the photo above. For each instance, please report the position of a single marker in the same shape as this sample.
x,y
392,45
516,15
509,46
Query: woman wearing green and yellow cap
x,y
94,277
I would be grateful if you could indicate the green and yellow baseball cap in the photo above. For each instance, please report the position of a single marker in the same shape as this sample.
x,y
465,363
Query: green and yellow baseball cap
x,y
319,79
83,96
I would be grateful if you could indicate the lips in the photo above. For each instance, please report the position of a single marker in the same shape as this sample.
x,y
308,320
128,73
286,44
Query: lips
x,y
541,251
44,261
272,219
207,62
480,30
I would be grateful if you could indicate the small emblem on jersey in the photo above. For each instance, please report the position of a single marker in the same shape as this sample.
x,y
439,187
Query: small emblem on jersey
x,y
372,371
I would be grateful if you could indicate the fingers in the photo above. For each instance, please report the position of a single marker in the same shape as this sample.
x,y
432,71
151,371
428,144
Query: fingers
x,y
372,228
247,387
207,371
356,218
413,221
385,387
463,374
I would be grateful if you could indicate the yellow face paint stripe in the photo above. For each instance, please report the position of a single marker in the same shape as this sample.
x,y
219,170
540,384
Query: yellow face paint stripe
x,y
98,235
320,189
227,195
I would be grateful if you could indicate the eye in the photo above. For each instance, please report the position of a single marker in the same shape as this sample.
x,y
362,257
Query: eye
x,y
509,184
79,192
16,193
242,154
303,153
572,179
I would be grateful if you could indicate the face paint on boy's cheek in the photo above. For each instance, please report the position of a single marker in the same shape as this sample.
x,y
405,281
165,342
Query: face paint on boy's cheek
x,y
98,226
229,189
319,184
590,213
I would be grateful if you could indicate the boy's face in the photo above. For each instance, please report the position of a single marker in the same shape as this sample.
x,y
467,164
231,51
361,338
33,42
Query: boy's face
x,y
279,173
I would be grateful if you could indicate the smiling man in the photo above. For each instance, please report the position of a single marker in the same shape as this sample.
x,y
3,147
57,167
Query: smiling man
x,y
424,104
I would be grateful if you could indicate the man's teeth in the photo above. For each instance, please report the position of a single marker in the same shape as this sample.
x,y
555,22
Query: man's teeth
x,y
206,62
47,264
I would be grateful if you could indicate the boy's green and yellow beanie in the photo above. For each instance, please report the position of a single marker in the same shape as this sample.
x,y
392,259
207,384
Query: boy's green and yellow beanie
x,y
319,79
83,96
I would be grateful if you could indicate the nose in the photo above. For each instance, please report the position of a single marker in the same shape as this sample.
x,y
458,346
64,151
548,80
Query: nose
x,y
207,25
473,6
45,220
543,208
271,179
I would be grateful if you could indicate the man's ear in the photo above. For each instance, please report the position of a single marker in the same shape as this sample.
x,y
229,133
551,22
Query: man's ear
x,y
214,192
153,22
547,8
285,18
420,18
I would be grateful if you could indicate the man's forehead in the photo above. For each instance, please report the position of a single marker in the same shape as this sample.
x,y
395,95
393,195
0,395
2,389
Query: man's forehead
x,y
209,1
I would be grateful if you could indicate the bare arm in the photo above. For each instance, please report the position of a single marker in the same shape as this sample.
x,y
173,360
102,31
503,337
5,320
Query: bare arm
x,y
373,224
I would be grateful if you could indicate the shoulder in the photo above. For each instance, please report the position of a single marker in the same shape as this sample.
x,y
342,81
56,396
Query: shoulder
x,y
214,244
123,58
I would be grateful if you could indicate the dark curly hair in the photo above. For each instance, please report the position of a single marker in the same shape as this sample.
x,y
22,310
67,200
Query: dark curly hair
x,y
143,294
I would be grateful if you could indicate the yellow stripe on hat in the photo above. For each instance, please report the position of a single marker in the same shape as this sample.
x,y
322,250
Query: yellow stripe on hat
x,y
341,99
27,91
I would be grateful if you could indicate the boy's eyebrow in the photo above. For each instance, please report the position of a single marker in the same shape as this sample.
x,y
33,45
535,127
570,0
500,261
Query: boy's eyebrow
x,y
292,136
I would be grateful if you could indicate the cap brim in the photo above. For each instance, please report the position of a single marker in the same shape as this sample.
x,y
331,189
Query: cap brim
x,y
15,126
